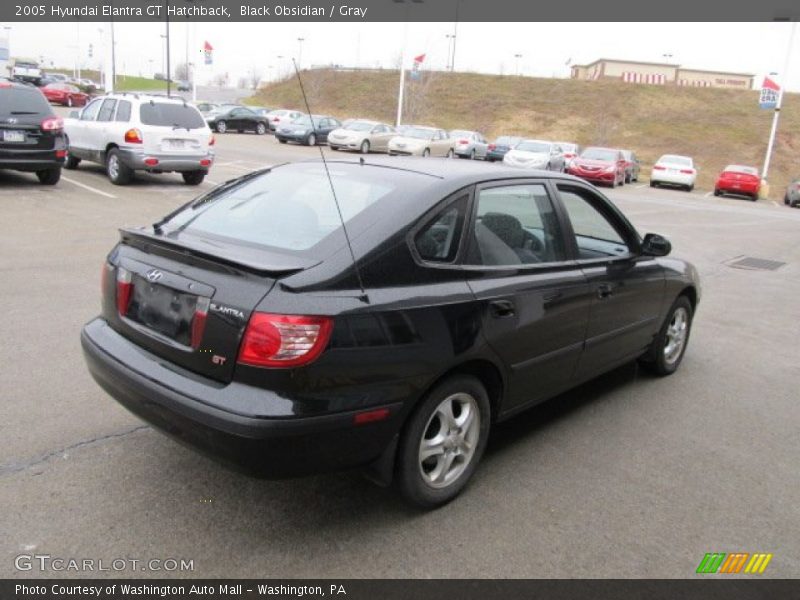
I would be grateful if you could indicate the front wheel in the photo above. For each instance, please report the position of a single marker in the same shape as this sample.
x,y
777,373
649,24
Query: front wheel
x,y
426,153
69,101
49,176
667,350
311,140
221,127
443,441
261,129
472,154
450,153
193,177
364,147
652,184
754,197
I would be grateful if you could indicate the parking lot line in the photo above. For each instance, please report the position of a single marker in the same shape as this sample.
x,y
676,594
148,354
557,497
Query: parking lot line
x,y
88,187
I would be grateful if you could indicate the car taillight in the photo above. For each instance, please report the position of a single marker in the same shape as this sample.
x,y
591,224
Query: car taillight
x,y
276,119
569,155
687,171
206,162
133,136
492,146
272,340
199,320
658,168
463,141
151,161
53,124
124,290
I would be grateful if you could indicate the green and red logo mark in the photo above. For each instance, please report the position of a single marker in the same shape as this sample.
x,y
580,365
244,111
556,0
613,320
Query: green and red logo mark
x,y
719,562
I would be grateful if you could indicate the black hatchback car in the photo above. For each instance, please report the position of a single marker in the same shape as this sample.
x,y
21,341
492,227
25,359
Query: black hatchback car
x,y
243,323
31,135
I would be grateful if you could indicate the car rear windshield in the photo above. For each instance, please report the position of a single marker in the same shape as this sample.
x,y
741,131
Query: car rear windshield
x,y
742,169
676,160
359,126
599,154
459,133
169,114
290,208
21,101
418,133
529,146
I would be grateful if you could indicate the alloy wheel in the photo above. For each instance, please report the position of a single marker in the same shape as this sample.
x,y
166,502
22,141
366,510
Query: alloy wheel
x,y
677,330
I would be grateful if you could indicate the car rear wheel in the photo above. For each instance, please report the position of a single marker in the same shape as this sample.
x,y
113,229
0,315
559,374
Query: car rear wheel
x,y
426,153
71,161
364,147
443,441
754,197
261,129
49,176
118,173
333,147
450,153
69,101
281,140
653,184
717,193
628,178
472,154
221,127
786,199
667,350
193,177
311,140
689,188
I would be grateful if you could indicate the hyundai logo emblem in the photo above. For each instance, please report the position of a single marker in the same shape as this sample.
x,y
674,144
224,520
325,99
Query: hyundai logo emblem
x,y
154,275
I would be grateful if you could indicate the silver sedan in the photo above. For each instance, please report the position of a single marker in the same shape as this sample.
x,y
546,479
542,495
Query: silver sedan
x,y
469,144
362,135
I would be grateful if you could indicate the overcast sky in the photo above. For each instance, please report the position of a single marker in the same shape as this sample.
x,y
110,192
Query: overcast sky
x,y
757,48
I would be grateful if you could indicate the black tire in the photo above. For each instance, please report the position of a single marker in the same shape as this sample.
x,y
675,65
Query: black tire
x,y
472,154
71,162
311,140
426,153
655,360
333,147
451,153
221,126
261,129
628,178
193,177
409,477
282,140
717,193
117,172
754,197
49,176
689,188
70,104
653,184
786,199
364,148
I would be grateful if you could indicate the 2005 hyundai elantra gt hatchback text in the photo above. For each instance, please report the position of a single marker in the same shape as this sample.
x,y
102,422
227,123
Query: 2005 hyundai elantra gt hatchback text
x,y
244,325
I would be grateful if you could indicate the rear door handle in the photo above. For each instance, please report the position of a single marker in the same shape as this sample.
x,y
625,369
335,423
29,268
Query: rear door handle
x,y
502,308
605,290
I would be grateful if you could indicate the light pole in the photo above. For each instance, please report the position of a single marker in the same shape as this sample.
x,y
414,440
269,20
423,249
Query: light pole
x,y
78,53
455,36
450,39
164,54
667,58
407,5
300,52
517,57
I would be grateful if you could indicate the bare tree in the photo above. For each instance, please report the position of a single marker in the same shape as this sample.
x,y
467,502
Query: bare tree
x,y
221,80
417,95
182,71
255,78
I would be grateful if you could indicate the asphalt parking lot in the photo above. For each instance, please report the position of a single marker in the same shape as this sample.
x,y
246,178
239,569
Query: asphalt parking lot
x,y
627,476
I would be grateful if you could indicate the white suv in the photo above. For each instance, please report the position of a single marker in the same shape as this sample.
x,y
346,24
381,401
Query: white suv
x,y
137,132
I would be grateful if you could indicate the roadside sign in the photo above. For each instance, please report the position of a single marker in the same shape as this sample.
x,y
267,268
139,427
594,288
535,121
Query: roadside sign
x,y
769,94
415,70
208,51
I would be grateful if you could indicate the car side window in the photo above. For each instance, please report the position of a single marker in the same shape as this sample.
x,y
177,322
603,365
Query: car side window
x,y
515,225
439,239
90,112
106,109
595,234
123,111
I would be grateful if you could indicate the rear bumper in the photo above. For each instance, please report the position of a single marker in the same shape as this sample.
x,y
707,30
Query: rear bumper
x,y
672,178
30,160
495,154
600,176
134,159
193,411
744,189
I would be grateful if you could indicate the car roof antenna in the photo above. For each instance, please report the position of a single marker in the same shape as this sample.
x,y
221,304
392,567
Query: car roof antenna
x,y
363,297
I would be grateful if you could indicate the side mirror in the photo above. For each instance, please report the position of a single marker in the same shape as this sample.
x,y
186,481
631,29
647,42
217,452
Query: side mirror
x,y
655,245
74,114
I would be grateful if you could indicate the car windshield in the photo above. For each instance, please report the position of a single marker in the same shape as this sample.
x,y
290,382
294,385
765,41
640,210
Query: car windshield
x,y
359,126
289,208
169,114
742,169
418,133
676,160
22,101
306,120
532,146
600,154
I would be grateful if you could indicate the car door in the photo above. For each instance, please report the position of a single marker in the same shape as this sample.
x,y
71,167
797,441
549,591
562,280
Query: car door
x,y
80,131
627,288
534,299
103,127
441,143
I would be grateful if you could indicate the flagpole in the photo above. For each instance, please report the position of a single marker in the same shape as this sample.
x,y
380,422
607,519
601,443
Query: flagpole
x,y
402,77
777,113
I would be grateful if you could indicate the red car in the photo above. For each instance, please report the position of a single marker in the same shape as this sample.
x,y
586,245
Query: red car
x,y
736,179
64,94
600,165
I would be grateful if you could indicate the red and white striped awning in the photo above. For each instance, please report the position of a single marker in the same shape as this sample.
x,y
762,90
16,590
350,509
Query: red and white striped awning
x,y
651,78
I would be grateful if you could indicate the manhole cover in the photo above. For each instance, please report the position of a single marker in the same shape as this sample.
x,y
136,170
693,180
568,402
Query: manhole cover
x,y
759,264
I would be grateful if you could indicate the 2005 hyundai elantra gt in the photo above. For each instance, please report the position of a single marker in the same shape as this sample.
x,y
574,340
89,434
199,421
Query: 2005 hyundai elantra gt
x,y
244,325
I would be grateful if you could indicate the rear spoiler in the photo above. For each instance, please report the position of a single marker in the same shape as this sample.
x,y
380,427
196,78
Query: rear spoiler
x,y
260,261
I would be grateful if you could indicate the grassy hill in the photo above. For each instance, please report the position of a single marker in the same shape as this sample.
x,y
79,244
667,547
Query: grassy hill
x,y
716,127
